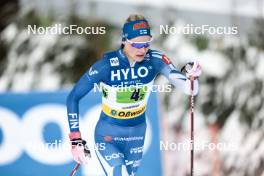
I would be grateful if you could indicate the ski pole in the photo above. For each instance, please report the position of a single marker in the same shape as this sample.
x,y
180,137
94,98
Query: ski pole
x,y
192,126
75,169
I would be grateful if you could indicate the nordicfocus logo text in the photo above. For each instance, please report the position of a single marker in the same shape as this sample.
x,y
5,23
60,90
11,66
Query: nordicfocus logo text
x,y
125,73
58,29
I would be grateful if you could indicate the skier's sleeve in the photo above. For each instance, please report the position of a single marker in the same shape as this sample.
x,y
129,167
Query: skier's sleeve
x,y
164,66
94,75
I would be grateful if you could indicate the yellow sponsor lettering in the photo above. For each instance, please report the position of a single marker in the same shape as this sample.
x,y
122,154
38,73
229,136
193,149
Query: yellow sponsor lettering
x,y
123,114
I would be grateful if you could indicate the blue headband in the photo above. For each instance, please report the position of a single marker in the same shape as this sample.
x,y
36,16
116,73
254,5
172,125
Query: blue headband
x,y
135,29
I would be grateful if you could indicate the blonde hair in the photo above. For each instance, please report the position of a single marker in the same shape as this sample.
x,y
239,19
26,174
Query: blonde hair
x,y
135,17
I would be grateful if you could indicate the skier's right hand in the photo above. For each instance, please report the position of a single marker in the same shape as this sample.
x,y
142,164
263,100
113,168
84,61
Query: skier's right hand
x,y
79,148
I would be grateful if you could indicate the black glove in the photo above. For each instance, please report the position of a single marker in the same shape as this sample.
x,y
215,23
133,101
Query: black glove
x,y
80,142
192,70
186,67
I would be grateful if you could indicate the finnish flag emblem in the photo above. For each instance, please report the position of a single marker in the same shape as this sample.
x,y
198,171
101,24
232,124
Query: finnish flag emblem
x,y
114,61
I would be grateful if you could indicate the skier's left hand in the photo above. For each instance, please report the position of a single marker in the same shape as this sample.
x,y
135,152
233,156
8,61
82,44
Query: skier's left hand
x,y
192,70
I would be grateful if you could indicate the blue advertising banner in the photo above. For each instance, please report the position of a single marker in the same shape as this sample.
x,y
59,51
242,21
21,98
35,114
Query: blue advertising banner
x,y
34,135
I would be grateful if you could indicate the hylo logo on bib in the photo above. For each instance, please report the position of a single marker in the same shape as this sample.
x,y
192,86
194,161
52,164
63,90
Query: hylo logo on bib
x,y
124,73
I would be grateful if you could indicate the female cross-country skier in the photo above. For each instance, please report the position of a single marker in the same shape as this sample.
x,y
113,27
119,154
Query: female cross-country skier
x,y
126,77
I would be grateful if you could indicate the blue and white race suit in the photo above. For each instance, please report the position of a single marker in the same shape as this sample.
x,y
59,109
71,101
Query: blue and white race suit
x,y
126,88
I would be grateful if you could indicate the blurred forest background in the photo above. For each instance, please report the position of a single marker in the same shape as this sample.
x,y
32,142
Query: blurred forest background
x,y
229,108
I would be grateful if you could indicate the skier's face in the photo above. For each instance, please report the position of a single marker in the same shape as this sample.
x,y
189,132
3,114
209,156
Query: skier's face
x,y
137,48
